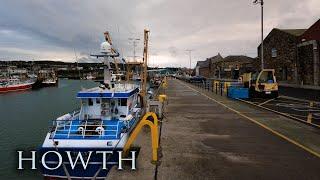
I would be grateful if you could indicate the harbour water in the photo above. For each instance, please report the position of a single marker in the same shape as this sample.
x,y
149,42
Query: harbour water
x,y
25,118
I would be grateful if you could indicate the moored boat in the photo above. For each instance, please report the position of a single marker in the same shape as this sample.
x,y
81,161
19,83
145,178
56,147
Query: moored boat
x,y
12,85
47,78
107,116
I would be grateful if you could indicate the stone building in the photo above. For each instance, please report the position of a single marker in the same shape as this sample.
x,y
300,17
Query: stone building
x,y
294,54
203,68
229,67
308,56
280,53
206,68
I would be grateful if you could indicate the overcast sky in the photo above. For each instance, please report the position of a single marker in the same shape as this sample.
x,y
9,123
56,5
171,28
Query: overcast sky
x,y
53,29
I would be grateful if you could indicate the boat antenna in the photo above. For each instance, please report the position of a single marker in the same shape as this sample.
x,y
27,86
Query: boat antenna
x,y
106,51
75,54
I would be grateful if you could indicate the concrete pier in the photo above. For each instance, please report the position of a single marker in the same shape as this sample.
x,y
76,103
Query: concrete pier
x,y
206,136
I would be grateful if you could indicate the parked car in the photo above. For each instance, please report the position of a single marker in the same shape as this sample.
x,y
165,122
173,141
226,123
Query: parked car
x,y
197,79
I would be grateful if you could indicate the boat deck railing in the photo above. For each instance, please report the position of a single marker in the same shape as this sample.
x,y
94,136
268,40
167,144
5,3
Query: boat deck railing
x,y
85,129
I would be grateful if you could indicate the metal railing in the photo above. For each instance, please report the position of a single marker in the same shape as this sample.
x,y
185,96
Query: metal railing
x,y
81,129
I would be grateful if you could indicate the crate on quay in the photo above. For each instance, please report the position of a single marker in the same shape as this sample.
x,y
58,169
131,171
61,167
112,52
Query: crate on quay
x,y
238,92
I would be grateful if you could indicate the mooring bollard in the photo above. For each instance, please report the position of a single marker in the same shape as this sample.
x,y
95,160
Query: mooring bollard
x,y
221,88
216,88
212,85
227,90
309,117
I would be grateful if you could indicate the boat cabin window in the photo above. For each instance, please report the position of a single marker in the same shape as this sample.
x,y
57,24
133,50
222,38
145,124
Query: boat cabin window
x,y
98,101
123,102
90,102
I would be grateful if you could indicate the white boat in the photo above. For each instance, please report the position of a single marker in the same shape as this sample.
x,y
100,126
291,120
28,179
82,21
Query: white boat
x,y
48,78
107,116
90,77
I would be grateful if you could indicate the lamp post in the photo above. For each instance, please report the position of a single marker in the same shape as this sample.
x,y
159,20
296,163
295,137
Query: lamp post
x,y
189,50
261,2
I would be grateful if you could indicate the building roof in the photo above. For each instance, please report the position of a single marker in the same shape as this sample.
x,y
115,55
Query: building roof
x,y
239,58
216,58
313,33
294,32
203,64
206,63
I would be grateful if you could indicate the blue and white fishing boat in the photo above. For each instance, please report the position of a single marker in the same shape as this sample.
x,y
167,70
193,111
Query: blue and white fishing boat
x,y
107,116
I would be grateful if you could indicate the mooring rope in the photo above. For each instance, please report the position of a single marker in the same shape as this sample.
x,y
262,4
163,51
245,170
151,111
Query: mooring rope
x,y
63,165
99,170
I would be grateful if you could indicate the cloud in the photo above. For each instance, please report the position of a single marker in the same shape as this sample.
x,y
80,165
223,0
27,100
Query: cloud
x,y
37,29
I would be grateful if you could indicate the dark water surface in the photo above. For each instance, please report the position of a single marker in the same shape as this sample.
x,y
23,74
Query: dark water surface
x,y
25,118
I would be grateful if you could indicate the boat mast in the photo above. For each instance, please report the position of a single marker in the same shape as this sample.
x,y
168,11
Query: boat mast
x,y
106,71
145,67
108,39
107,52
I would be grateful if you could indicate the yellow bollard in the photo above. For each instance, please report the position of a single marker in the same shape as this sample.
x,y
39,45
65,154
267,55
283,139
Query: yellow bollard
x,y
215,84
154,134
162,98
226,85
165,83
311,103
309,118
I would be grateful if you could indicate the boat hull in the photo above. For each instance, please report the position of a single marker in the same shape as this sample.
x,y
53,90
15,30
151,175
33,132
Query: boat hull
x,y
51,84
94,167
13,88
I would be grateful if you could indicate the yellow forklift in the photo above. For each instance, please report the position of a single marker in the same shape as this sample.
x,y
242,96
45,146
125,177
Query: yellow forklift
x,y
261,84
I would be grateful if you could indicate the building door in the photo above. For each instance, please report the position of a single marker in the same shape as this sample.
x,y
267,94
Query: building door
x,y
284,73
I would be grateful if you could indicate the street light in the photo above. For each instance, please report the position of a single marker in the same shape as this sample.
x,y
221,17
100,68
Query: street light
x,y
190,50
261,3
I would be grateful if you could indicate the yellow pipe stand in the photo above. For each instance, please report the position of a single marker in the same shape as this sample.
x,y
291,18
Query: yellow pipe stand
x,y
154,134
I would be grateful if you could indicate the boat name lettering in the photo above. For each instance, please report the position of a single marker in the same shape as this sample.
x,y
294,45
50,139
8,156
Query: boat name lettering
x,y
52,160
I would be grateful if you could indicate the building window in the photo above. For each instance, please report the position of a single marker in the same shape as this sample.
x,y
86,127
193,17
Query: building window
x,y
274,52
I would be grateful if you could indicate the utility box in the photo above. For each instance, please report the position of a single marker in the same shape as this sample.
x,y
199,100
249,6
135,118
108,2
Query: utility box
x,y
156,107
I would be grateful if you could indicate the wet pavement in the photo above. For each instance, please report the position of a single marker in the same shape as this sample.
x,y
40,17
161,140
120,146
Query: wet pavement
x,y
207,136
202,139
300,109
308,94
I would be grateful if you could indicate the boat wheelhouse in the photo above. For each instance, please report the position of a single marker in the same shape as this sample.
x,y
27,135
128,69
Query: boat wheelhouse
x,y
105,115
